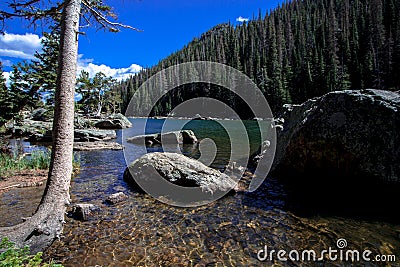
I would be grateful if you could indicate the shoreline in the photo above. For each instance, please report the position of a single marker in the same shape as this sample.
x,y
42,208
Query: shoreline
x,y
23,179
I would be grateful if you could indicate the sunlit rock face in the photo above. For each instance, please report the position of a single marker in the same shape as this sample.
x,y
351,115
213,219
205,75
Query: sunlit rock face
x,y
154,168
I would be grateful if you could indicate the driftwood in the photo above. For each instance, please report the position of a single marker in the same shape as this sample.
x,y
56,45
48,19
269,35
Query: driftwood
x,y
25,184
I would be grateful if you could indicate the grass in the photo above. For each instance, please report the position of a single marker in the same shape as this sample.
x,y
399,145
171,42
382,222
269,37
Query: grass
x,y
11,256
37,160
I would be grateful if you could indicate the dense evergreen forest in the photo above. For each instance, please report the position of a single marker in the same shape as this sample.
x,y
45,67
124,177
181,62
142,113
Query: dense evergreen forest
x,y
301,49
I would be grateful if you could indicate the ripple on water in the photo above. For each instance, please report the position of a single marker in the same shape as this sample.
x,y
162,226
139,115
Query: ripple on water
x,y
229,232
145,232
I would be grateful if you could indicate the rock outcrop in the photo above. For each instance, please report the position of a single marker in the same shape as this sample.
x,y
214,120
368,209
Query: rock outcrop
x,y
116,198
89,135
99,145
80,135
175,137
29,128
83,211
179,170
114,121
41,114
352,133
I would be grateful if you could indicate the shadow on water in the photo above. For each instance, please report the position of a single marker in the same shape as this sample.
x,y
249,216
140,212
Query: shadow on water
x,y
335,195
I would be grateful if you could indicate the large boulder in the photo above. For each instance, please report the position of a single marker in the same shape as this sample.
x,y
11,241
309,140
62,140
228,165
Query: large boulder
x,y
114,121
29,128
80,135
175,137
352,133
177,169
90,135
80,122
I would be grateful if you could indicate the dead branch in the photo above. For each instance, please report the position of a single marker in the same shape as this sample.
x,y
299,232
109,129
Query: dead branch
x,y
102,20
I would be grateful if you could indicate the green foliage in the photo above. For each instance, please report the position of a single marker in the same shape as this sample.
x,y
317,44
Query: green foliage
x,y
44,68
302,49
4,99
97,93
30,80
37,160
11,256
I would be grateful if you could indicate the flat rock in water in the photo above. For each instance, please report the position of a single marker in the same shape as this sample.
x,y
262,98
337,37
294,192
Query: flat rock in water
x,y
80,135
179,170
116,198
99,145
148,139
175,137
90,135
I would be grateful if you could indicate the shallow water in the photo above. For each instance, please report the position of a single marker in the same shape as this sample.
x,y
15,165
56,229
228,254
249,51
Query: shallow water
x,y
229,232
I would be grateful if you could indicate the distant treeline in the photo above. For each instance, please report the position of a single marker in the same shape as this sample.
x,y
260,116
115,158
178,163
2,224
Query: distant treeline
x,y
301,49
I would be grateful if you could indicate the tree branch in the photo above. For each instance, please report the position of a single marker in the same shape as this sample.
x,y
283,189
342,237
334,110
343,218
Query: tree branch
x,y
28,11
106,23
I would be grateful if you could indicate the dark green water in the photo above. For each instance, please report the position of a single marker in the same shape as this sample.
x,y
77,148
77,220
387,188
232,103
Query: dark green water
x,y
228,232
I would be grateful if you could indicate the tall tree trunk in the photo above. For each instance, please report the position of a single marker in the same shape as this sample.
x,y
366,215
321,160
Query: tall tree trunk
x,y
46,224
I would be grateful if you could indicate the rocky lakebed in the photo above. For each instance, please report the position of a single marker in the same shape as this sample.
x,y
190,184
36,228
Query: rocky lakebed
x,y
335,176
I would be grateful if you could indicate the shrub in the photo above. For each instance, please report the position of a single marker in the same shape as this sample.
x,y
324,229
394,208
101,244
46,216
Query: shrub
x,y
37,160
11,256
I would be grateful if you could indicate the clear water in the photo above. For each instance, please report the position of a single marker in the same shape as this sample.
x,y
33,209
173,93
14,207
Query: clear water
x,y
144,232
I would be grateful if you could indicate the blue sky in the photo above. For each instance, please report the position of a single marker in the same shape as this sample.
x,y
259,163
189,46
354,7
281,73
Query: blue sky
x,y
167,26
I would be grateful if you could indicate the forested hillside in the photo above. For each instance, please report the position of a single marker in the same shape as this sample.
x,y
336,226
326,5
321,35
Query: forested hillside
x,y
299,50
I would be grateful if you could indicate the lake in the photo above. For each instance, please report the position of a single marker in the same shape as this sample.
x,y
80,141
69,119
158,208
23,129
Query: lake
x,y
228,232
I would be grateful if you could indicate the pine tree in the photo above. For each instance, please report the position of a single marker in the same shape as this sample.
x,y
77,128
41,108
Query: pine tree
x,y
300,50
5,99
44,68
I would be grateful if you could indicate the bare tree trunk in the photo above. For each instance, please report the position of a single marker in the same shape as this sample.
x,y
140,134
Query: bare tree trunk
x,y
99,105
46,224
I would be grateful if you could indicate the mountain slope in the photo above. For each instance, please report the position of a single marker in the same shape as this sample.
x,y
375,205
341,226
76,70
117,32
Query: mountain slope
x,y
299,50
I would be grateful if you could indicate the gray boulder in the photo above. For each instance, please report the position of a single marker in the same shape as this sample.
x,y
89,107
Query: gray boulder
x,y
40,114
99,145
116,198
29,128
80,135
177,169
148,139
83,211
198,117
114,121
349,133
175,137
90,135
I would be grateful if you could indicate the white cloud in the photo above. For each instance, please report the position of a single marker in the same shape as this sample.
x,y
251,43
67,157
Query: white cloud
x,y
241,19
117,73
24,46
6,75
19,45
6,62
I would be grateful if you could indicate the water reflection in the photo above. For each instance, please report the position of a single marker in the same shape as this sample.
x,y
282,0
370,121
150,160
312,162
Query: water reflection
x,y
229,232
